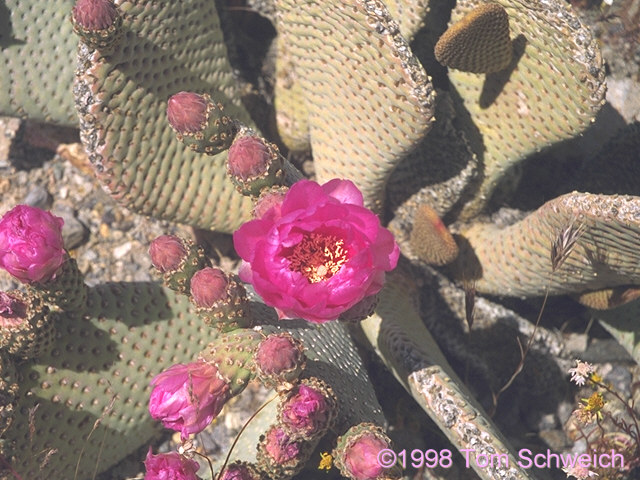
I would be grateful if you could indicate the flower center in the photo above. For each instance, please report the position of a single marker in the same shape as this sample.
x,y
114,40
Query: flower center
x,y
318,257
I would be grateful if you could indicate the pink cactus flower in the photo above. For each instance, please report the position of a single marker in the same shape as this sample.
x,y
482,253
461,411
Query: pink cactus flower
x,y
319,254
170,466
361,459
31,247
187,397
306,412
280,447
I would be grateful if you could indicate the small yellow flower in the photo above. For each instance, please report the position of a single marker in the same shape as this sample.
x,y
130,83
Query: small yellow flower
x,y
595,377
590,409
594,403
326,462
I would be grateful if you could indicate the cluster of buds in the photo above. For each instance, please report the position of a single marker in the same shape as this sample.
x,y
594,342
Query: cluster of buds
x,y
296,273
305,414
254,164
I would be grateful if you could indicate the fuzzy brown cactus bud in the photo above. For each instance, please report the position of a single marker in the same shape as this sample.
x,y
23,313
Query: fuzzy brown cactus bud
x,y
177,259
280,358
200,123
254,164
97,22
167,252
187,112
220,298
357,451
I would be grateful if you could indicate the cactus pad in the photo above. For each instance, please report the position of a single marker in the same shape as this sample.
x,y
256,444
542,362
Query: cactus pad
x,y
122,99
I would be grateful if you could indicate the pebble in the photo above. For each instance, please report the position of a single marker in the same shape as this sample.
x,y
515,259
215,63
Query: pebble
x,y
74,233
38,197
120,251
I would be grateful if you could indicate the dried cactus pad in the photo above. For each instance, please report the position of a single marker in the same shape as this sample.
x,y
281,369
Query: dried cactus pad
x,y
122,98
516,260
368,98
133,332
37,46
550,92
479,42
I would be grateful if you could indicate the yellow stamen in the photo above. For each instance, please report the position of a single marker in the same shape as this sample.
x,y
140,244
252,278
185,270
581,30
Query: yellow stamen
x,y
318,257
326,461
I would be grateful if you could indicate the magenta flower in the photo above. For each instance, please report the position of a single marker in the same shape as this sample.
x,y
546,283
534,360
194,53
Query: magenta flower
x,y
319,254
187,397
31,247
361,459
170,466
306,413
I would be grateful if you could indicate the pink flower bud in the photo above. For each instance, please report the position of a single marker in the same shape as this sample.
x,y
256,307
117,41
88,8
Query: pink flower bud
x,y
270,199
187,112
361,458
306,413
166,466
94,14
13,311
278,354
248,157
239,471
31,247
209,286
187,397
279,446
167,251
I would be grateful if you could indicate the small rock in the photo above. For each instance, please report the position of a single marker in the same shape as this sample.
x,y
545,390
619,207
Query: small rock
x,y
74,233
121,250
38,197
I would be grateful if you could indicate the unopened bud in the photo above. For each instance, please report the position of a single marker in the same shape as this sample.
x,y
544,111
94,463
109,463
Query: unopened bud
x,y
240,471
357,453
209,286
187,112
253,164
200,123
280,447
308,410
220,298
167,252
97,22
280,358
268,199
